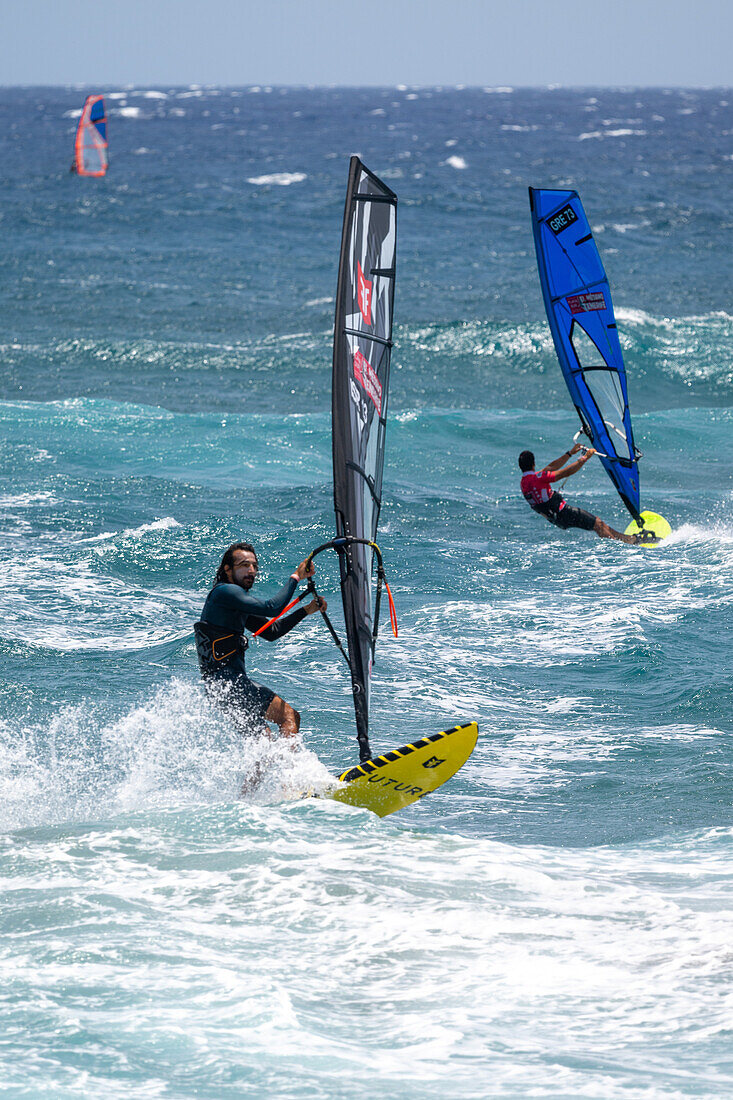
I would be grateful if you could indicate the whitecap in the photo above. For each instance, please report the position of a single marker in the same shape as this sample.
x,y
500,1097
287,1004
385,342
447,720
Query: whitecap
x,y
128,112
27,500
164,524
456,162
279,179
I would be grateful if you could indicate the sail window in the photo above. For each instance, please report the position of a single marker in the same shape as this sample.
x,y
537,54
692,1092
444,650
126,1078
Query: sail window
x,y
604,386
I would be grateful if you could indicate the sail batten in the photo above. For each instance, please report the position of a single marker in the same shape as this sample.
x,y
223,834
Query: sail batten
x,y
579,309
361,361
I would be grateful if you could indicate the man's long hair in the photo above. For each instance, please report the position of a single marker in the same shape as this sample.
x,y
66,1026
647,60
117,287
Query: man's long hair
x,y
228,558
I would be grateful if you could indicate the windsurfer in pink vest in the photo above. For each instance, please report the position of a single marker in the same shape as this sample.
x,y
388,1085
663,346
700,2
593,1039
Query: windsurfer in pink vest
x,y
541,497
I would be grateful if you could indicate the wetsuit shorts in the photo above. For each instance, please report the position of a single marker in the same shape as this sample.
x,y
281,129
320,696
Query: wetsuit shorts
x,y
573,517
241,700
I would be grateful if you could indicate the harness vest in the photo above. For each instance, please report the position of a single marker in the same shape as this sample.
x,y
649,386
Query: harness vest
x,y
217,651
548,508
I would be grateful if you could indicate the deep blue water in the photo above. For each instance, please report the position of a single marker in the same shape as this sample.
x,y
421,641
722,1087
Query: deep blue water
x,y
556,920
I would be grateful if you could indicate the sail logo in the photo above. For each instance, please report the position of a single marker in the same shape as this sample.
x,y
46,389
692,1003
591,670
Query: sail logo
x,y
366,376
433,762
564,218
586,303
359,403
364,291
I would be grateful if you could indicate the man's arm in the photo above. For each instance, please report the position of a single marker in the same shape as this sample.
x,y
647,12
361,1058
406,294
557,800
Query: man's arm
x,y
574,466
559,461
267,609
279,627
287,622
249,605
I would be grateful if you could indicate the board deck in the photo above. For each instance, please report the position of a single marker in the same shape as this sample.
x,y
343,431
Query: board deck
x,y
654,523
403,776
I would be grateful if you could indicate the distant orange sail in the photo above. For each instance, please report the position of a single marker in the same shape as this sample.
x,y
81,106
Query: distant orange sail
x,y
90,145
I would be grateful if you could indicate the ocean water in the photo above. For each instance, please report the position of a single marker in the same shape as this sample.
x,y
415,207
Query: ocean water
x,y
556,921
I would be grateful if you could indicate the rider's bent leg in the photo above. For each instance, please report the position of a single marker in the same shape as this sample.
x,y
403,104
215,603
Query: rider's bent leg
x,y
605,532
284,716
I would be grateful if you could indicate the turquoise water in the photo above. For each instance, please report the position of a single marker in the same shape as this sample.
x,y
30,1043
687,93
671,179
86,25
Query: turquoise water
x,y
555,921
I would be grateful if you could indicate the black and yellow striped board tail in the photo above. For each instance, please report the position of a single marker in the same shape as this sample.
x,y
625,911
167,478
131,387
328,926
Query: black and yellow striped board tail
x,y
403,776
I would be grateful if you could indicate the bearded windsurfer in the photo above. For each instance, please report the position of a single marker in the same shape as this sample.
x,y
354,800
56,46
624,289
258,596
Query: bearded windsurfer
x,y
541,497
221,642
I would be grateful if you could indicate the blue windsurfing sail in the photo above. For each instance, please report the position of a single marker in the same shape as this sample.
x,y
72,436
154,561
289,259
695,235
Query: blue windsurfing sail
x,y
580,312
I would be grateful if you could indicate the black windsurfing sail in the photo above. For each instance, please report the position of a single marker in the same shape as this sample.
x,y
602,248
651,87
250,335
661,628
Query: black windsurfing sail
x,y
361,356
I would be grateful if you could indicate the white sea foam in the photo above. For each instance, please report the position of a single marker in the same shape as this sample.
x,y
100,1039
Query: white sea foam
x,y
27,500
278,179
62,603
154,95
456,162
582,959
128,112
165,524
610,133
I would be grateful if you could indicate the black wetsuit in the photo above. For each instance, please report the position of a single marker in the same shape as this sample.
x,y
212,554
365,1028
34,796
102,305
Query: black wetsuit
x,y
221,644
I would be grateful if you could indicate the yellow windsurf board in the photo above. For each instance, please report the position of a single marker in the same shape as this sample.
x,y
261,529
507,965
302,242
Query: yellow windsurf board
x,y
403,776
655,528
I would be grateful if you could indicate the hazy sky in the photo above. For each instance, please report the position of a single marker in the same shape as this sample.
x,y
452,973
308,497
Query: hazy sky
x,y
483,42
